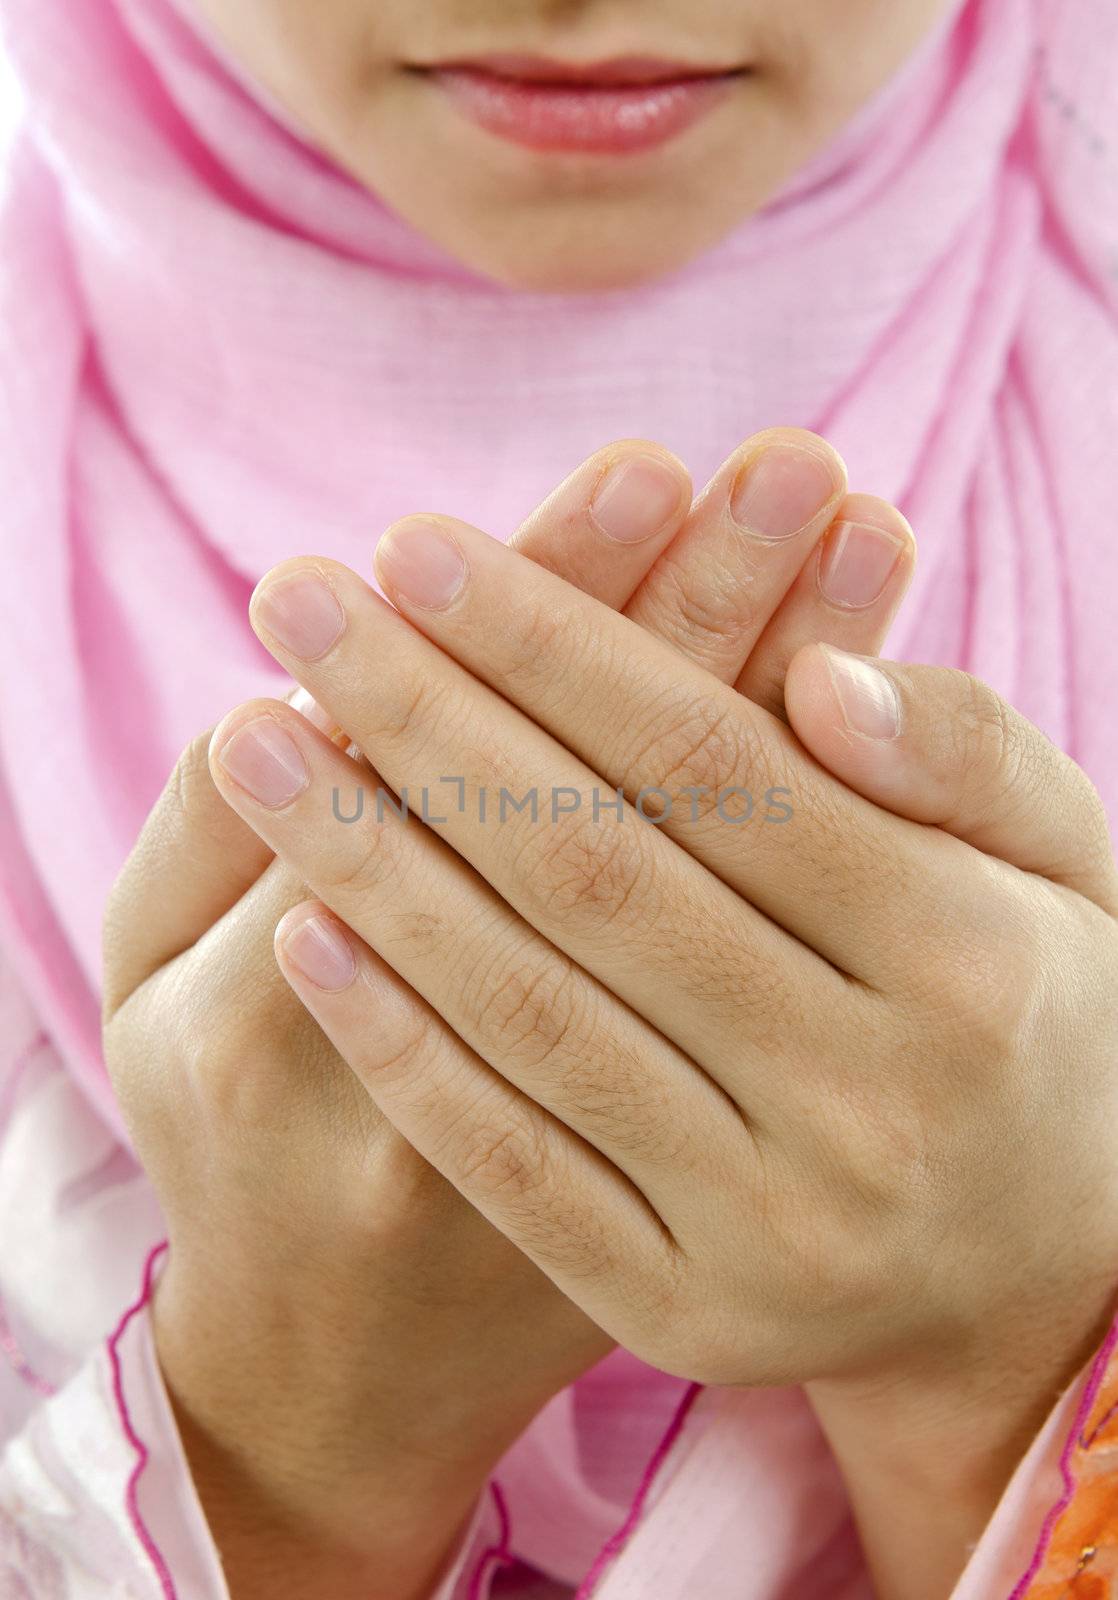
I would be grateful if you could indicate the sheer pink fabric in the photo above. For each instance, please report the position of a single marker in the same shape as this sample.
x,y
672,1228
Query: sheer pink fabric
x,y
217,351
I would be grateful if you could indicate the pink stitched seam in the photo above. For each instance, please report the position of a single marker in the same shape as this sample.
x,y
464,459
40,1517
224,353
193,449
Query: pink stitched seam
x,y
617,1540
151,1549
499,1554
1094,1384
1087,1440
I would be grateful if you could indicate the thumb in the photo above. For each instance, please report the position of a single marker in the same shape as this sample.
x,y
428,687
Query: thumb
x,y
940,747
195,858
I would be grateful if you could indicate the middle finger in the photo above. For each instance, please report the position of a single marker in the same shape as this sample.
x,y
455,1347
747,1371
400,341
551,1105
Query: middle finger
x,y
846,878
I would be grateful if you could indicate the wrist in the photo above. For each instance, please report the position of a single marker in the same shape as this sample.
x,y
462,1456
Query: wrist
x,y
286,1532
316,1472
927,1450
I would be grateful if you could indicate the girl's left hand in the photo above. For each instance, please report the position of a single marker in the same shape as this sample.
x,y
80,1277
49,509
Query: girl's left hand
x,y
826,1095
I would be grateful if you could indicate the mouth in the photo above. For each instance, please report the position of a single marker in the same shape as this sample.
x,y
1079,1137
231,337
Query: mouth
x,y
613,107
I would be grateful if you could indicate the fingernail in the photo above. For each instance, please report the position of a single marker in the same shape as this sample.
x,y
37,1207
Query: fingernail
x,y
265,760
779,492
421,563
635,499
870,703
856,564
301,612
322,953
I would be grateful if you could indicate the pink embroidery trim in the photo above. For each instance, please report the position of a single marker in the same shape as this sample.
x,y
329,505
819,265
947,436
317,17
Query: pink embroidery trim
x,y
1094,1384
617,1540
151,1549
499,1554
1088,1440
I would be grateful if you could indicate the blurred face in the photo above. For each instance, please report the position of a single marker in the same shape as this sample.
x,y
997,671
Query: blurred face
x,y
572,145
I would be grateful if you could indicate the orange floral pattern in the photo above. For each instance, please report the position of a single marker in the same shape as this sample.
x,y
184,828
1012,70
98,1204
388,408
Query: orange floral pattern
x,y
1079,1560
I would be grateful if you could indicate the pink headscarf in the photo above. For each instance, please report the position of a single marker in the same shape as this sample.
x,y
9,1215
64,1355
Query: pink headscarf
x,y
217,351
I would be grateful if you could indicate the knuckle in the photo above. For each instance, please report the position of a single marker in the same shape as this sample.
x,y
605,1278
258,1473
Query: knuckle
x,y
413,717
543,1017
1098,826
1098,847
608,1084
527,1007
980,994
503,1162
402,1056
123,1048
1087,860
743,987
544,635
573,1239
114,943
188,795
998,997
371,854
610,1089
989,754
509,1163
190,786
701,745
702,612
585,871
214,1062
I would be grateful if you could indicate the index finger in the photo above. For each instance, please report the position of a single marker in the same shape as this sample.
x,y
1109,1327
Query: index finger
x,y
609,521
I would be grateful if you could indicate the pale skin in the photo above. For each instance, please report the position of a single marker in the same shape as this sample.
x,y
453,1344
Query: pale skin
x,y
350,73
370,1250
887,1026
818,1106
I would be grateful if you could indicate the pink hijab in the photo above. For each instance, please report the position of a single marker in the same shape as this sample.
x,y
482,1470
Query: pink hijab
x,y
217,351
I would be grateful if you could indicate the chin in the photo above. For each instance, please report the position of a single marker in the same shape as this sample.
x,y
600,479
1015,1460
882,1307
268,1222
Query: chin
x,y
577,276
579,260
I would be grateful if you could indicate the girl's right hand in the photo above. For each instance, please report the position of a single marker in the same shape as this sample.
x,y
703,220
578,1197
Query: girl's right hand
x,y
348,1345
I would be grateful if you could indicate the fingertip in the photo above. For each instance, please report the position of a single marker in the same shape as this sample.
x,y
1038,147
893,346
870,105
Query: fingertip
x,y
800,439
848,710
809,696
313,947
290,920
872,511
220,739
226,730
866,558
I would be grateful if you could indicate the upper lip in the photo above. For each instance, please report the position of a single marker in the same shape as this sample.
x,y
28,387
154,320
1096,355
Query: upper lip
x,y
618,69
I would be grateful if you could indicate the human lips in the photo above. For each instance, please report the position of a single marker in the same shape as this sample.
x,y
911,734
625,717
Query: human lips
x,y
627,103
617,70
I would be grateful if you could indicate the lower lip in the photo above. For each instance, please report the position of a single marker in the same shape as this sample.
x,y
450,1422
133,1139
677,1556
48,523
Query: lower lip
x,y
600,118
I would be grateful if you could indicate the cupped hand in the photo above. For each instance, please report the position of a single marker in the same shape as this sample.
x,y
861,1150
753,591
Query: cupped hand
x,y
776,1084
307,1237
